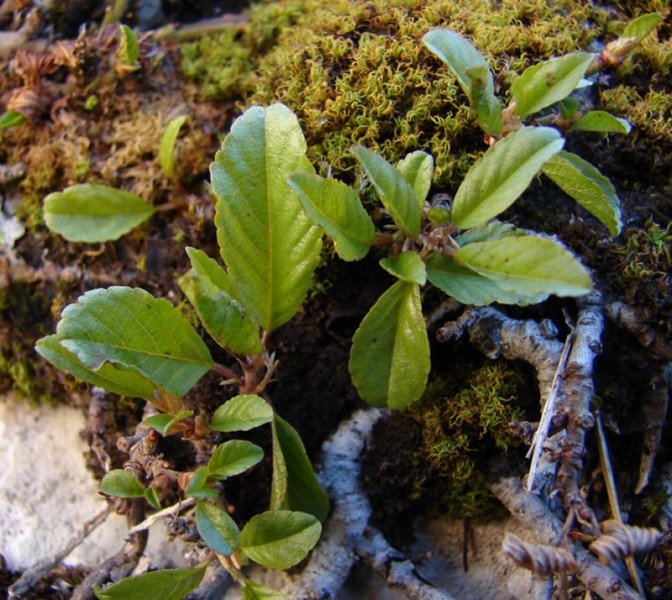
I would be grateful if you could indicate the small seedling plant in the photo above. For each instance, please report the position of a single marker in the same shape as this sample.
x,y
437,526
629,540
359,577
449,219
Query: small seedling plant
x,y
272,212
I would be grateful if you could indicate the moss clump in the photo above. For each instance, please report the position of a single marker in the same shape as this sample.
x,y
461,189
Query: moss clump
x,y
457,425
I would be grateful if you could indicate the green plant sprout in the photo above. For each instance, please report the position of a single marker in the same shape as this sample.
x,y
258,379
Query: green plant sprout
x,y
132,344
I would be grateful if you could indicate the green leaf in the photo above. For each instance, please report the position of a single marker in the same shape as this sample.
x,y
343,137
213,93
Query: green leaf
x,y
389,360
152,497
549,82
169,584
12,118
392,189
94,213
336,208
217,528
269,245
528,265
122,484
280,539
418,168
129,327
601,121
469,287
492,230
232,458
483,100
583,182
128,46
640,27
113,378
242,413
167,147
294,485
165,423
254,591
502,174
199,487
211,292
407,266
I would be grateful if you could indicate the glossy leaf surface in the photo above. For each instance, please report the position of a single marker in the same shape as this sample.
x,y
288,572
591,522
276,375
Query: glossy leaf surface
x,y
211,292
483,100
407,266
389,360
294,486
122,484
392,189
269,245
583,182
217,528
280,539
94,213
502,174
255,591
640,27
169,584
528,266
128,327
167,146
165,423
418,169
232,458
337,209
602,121
242,413
199,486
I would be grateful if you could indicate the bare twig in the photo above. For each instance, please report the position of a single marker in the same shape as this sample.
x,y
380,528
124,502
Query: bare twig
x,y
32,575
13,40
530,510
638,322
214,584
170,511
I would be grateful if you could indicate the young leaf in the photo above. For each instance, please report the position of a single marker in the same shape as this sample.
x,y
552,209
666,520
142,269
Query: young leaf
x,y
242,413
167,147
336,208
232,458
129,327
601,121
502,174
407,266
640,27
152,497
392,189
113,378
122,484
169,584
128,47
469,287
280,539
472,72
549,82
217,528
212,294
294,485
389,360
583,182
94,213
254,591
418,168
12,118
165,423
199,487
268,244
528,265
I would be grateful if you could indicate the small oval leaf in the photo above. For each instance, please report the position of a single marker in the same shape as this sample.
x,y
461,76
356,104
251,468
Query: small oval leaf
x,y
94,213
407,266
336,208
549,82
280,539
392,189
640,27
129,327
198,486
12,118
242,413
528,265
502,174
583,182
255,591
389,360
129,51
217,528
169,584
122,484
602,121
165,423
418,169
483,100
232,458
167,146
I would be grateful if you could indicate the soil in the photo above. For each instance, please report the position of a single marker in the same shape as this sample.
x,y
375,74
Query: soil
x,y
312,387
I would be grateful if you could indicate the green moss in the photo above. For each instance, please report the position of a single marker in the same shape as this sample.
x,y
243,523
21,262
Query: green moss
x,y
647,253
455,426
